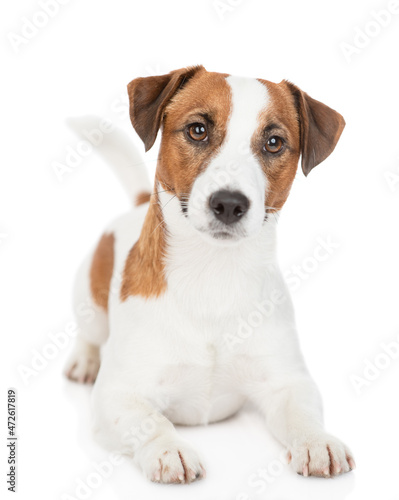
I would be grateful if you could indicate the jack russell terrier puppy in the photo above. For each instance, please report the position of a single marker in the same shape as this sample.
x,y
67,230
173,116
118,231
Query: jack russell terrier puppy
x,y
173,283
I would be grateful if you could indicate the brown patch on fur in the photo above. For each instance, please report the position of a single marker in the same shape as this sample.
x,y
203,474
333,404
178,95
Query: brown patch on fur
x,y
142,198
148,98
206,99
191,95
174,101
309,127
102,266
280,169
144,268
321,128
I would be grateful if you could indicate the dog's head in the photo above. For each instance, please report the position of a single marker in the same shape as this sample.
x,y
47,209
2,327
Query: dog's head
x,y
230,145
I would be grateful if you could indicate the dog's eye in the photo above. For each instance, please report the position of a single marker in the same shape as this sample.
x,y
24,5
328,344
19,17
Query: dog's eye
x,y
197,132
274,144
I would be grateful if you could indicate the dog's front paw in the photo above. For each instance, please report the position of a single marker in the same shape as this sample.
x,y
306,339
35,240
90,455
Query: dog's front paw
x,y
322,455
165,461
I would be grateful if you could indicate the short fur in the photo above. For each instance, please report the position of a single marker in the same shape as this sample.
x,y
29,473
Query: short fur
x,y
197,319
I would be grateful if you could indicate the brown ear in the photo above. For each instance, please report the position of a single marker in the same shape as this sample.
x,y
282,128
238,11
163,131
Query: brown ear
x,y
148,98
320,126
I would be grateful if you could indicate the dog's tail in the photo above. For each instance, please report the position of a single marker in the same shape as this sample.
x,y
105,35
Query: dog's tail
x,y
118,150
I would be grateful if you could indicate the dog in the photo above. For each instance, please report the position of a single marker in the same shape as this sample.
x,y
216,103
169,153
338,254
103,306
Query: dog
x,y
172,282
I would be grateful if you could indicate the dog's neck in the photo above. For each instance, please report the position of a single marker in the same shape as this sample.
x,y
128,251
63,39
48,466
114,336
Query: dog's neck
x,y
144,269
171,255
210,276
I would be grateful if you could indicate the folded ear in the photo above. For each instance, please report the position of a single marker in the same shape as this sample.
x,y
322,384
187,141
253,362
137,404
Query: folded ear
x,y
320,126
148,98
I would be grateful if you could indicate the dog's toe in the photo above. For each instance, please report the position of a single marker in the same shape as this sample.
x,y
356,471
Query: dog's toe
x,y
322,456
172,462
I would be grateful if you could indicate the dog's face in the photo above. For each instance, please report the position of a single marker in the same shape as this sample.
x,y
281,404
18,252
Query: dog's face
x,y
230,146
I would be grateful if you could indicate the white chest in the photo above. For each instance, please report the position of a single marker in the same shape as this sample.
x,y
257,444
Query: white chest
x,y
173,349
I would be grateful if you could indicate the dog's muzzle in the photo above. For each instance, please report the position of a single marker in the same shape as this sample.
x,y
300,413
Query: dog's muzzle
x,y
228,206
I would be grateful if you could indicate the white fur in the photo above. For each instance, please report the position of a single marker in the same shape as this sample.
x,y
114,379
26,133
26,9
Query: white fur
x,y
187,357
235,168
119,152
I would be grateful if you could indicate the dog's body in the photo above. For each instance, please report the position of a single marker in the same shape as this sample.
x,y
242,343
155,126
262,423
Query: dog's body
x,y
188,284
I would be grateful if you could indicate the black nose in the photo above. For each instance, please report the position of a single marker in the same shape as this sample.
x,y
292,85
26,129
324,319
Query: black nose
x,y
228,206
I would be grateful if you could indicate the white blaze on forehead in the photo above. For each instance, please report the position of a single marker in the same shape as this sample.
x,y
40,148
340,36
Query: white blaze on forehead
x,y
243,171
249,98
235,167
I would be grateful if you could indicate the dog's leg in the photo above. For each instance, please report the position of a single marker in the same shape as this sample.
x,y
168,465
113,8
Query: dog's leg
x,y
84,362
92,322
130,423
293,412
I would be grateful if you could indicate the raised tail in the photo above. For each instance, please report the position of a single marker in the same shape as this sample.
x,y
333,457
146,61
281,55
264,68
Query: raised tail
x,y
119,152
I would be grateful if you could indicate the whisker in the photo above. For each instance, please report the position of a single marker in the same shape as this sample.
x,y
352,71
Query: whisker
x,y
162,222
163,182
159,192
173,197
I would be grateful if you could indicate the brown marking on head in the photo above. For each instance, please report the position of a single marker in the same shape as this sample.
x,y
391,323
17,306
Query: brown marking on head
x,y
280,118
190,96
206,99
148,98
144,268
321,127
175,101
308,128
102,266
143,197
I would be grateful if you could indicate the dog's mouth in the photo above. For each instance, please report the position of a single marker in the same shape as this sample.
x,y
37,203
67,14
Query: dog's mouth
x,y
223,235
221,226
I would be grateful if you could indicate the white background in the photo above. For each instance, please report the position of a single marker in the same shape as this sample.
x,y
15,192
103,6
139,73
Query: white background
x,y
347,306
